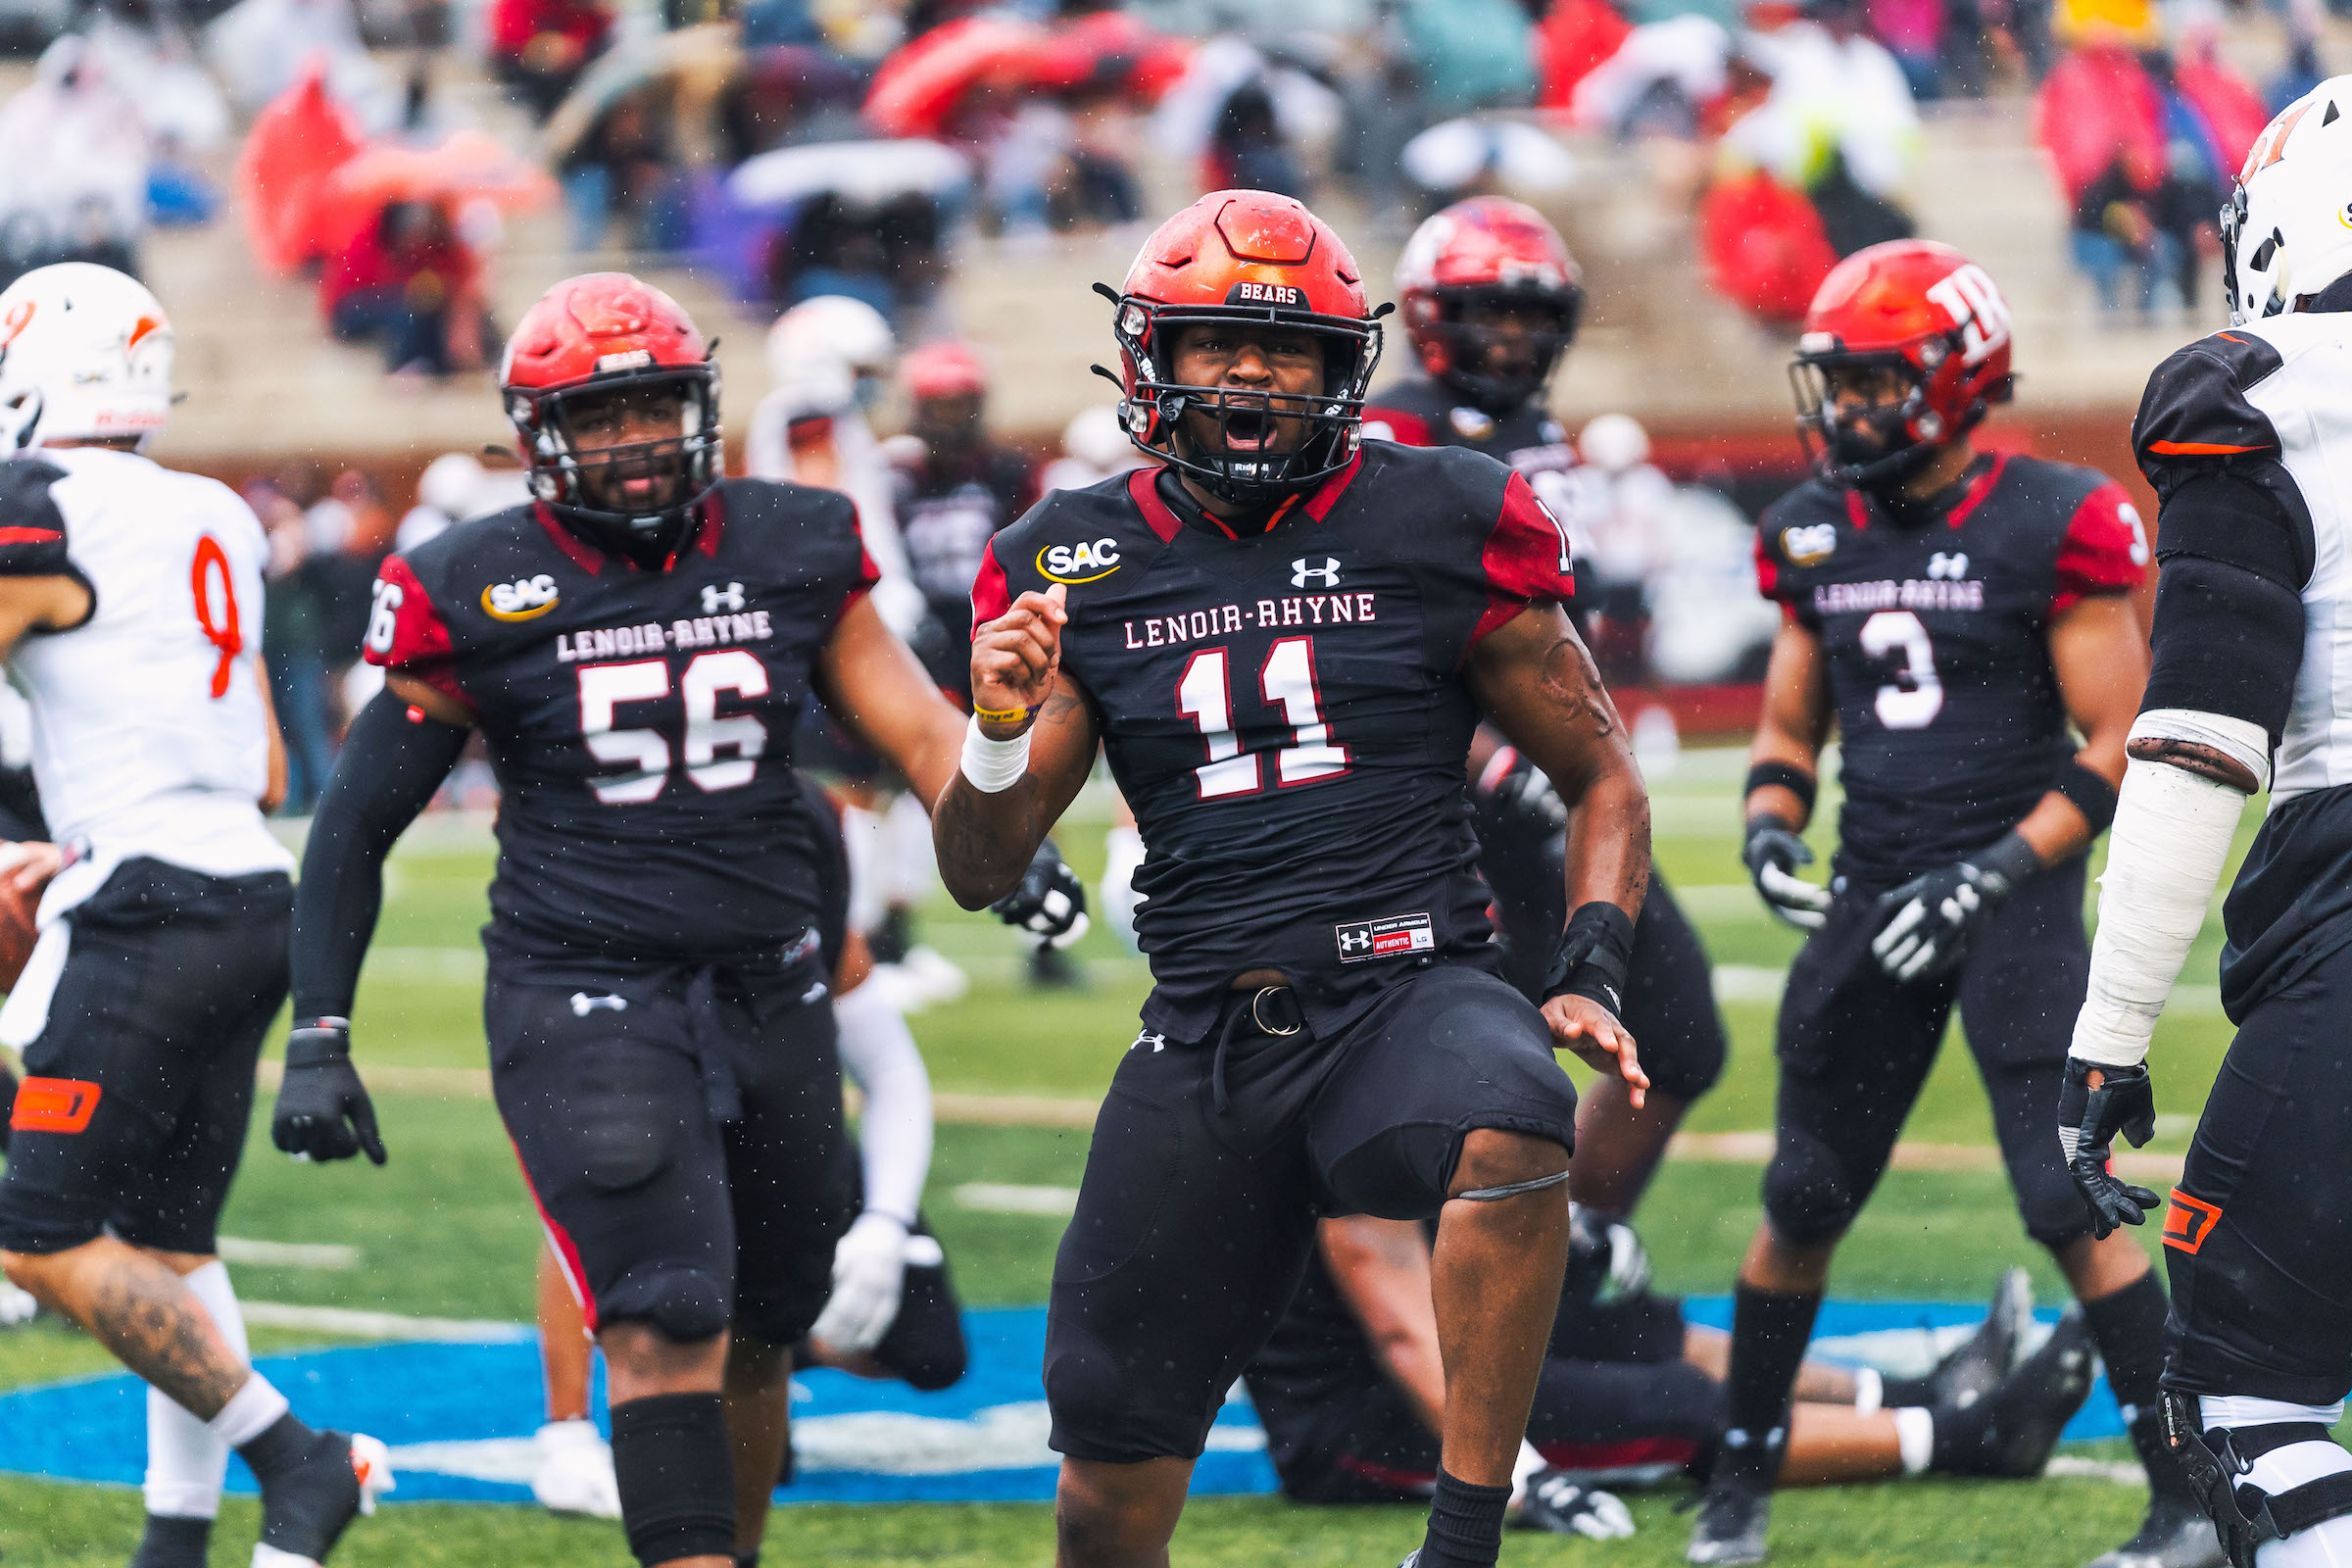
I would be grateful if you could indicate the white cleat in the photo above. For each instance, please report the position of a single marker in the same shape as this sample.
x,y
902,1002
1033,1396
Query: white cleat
x,y
15,1307
574,1473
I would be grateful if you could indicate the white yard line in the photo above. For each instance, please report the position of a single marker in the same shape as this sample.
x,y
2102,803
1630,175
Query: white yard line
x,y
1004,1197
350,1323
286,1255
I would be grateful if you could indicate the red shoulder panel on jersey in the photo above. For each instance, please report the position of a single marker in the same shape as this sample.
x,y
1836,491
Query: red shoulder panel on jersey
x,y
1143,490
2105,549
1407,429
1525,558
869,574
1327,494
406,631
991,595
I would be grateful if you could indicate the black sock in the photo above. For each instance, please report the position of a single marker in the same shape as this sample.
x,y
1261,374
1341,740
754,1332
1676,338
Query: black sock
x,y
284,1444
172,1541
1465,1525
1902,1394
676,1476
2128,1327
1770,1330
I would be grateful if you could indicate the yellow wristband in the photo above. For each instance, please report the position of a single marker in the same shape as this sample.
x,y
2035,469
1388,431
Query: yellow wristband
x,y
1000,716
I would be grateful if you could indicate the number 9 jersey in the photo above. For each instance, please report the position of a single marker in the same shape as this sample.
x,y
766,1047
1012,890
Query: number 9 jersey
x,y
640,723
1935,630
1288,713
149,733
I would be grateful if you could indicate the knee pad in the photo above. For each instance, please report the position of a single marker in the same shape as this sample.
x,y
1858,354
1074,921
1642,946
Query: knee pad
x,y
1690,1066
2267,1471
684,1304
628,1125
1806,1192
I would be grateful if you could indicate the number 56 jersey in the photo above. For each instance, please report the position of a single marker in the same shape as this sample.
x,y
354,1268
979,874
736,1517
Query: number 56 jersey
x,y
1936,635
1288,712
640,723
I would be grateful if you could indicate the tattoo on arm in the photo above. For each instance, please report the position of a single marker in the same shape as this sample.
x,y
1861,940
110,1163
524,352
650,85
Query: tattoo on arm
x,y
1571,680
2191,757
143,1313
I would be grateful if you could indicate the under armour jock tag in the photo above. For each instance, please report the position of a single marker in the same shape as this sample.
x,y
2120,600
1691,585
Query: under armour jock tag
x,y
1390,937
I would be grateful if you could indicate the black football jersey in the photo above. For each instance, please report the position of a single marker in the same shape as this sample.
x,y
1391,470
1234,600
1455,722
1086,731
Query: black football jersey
x,y
640,723
1936,637
1288,713
947,515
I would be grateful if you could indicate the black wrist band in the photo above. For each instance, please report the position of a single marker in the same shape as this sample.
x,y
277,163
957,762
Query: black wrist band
x,y
317,1041
1796,780
1591,955
2090,793
2009,857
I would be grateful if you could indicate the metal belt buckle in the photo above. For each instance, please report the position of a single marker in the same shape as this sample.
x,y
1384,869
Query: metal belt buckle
x,y
1257,1012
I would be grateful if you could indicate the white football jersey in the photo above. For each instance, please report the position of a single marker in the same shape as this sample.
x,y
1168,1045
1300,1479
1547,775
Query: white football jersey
x,y
149,733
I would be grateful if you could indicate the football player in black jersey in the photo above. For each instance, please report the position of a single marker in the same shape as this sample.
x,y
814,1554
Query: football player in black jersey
x,y
1492,298
2242,434
1959,616
1285,643
636,645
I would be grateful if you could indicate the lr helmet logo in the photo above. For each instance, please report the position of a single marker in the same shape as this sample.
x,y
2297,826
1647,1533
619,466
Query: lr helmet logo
x,y
717,599
1303,575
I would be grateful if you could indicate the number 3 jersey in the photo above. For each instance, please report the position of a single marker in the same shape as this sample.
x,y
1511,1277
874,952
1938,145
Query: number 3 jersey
x,y
1288,712
1935,629
151,736
640,723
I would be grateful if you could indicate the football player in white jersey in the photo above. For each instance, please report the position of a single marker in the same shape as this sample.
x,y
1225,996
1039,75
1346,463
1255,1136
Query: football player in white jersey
x,y
2247,438
130,605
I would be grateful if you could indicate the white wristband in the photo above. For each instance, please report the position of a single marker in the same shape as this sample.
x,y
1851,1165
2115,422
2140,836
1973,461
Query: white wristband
x,y
991,765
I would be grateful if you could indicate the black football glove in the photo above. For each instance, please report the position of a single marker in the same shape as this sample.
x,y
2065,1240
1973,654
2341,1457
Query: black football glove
x,y
1773,853
323,1109
1050,902
2087,1121
1926,925
1524,797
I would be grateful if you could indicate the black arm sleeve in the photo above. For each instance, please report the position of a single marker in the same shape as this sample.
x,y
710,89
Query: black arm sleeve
x,y
392,763
2227,640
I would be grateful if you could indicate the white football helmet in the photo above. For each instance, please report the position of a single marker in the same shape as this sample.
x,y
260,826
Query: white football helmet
x,y
830,353
2287,230
86,354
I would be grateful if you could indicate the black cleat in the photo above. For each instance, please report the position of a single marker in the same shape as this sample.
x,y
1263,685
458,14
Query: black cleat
x,y
893,938
308,1505
2012,1430
1985,1358
1732,1519
2176,1531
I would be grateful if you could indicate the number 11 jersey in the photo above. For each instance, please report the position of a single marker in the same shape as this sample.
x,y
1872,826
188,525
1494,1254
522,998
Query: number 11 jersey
x,y
1288,712
640,723
1935,634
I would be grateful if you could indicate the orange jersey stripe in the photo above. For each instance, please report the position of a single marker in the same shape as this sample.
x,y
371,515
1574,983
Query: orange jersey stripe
x,y
2201,449
53,1105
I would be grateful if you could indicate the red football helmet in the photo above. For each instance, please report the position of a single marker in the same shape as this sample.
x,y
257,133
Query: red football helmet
x,y
586,340
944,369
1489,251
1245,258
1926,313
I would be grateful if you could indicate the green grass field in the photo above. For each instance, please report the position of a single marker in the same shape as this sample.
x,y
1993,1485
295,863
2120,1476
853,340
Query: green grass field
x,y
445,1230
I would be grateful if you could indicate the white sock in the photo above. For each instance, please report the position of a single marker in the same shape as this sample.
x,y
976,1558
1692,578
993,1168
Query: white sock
x,y
250,1411
1915,1435
1870,1389
186,1459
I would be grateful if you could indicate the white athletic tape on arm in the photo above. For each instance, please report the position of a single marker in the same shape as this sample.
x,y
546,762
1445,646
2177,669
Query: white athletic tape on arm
x,y
2165,855
994,767
2242,742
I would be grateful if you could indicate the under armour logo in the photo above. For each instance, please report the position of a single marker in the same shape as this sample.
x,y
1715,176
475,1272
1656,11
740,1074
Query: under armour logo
x,y
717,599
1157,1043
582,1004
1952,568
1327,576
815,993
1354,939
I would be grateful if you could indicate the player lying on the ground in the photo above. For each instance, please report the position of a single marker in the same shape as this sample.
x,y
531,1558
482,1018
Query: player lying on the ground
x,y
1960,616
1284,645
1352,1390
893,1312
637,645
1491,300
130,613
2242,433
